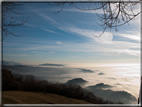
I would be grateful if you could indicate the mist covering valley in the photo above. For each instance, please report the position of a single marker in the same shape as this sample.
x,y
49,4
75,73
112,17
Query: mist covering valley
x,y
107,87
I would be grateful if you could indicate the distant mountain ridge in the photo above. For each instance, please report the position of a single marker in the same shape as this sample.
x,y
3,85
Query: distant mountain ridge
x,y
50,64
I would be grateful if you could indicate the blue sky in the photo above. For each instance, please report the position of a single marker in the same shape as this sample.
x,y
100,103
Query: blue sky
x,y
67,38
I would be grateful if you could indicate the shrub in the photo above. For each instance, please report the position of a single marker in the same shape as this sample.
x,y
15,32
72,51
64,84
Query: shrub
x,y
7,80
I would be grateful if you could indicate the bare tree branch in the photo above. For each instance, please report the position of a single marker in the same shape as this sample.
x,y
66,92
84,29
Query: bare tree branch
x,y
115,13
8,20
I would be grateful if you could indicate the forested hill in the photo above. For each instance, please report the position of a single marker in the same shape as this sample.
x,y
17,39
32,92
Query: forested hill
x,y
12,82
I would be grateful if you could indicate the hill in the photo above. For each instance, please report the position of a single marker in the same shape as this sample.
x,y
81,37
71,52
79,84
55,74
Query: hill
x,y
78,81
29,83
22,97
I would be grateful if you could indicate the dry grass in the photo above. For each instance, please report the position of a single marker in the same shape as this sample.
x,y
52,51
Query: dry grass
x,y
21,97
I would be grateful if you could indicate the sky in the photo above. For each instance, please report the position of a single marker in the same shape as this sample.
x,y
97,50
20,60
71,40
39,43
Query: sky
x,y
67,38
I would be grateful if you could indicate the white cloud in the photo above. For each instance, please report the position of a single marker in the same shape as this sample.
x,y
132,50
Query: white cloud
x,y
103,39
129,51
106,38
59,42
131,36
105,42
118,47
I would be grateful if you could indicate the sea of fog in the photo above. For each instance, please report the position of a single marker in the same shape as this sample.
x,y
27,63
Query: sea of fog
x,y
123,80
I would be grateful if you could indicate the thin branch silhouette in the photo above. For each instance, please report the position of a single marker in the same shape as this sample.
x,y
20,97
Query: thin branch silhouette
x,y
8,9
115,13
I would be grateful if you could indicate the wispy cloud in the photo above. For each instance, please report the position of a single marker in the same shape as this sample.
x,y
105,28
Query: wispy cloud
x,y
51,52
59,42
105,38
27,24
106,43
131,52
84,11
30,25
49,30
118,47
47,18
16,54
133,36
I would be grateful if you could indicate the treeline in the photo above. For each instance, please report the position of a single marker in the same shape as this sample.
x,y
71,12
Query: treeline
x,y
30,83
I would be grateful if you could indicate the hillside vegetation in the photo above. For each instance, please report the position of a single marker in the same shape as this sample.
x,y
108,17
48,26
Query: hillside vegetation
x,y
12,82
21,97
